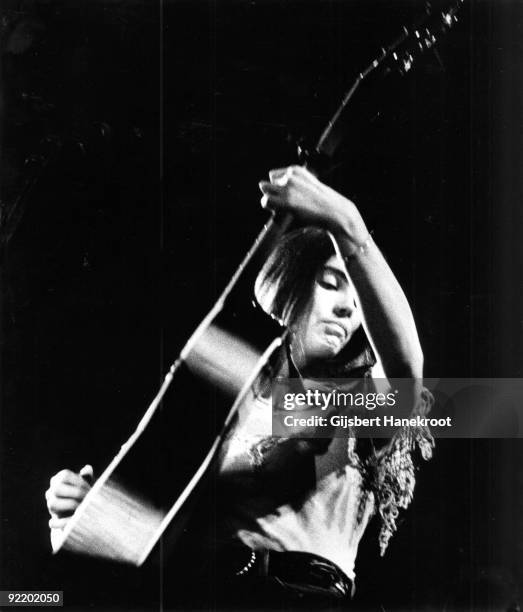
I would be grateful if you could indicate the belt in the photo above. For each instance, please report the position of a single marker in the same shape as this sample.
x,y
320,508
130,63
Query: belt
x,y
301,570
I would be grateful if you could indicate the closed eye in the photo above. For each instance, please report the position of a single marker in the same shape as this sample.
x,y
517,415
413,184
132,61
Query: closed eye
x,y
329,280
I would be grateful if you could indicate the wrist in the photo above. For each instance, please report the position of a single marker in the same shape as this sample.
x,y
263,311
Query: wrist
x,y
344,221
359,250
352,235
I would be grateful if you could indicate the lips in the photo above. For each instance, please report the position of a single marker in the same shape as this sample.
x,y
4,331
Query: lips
x,y
336,329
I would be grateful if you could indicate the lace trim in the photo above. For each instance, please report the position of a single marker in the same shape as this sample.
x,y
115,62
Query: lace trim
x,y
258,451
393,471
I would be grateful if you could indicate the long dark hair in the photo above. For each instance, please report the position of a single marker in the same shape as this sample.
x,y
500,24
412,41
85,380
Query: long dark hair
x,y
284,287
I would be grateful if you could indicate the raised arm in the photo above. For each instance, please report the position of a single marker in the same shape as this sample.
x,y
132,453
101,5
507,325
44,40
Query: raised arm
x,y
387,315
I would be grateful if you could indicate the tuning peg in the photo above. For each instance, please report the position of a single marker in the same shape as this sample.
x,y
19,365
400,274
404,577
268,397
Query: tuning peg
x,y
447,18
407,62
430,36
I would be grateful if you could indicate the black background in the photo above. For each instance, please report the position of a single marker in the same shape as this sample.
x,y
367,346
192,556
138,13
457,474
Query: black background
x,y
138,132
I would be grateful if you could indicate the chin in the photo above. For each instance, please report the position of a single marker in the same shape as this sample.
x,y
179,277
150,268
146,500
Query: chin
x,y
328,350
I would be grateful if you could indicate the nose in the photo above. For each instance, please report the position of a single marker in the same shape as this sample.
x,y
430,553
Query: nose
x,y
344,309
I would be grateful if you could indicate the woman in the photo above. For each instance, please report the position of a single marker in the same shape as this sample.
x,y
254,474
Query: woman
x,y
293,511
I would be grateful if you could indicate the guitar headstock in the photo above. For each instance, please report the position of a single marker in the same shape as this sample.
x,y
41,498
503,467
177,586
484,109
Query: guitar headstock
x,y
414,41
396,59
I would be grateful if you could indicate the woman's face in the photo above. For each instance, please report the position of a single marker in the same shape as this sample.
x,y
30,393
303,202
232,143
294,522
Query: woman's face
x,y
331,317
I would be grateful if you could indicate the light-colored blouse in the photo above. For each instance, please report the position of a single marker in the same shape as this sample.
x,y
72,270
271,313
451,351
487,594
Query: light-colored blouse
x,y
282,497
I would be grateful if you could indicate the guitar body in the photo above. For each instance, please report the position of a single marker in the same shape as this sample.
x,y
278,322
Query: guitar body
x,y
171,458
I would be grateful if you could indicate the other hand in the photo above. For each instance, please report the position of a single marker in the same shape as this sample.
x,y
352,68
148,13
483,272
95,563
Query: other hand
x,y
66,491
296,190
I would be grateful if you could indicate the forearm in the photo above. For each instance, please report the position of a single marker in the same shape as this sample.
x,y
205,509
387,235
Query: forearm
x,y
387,315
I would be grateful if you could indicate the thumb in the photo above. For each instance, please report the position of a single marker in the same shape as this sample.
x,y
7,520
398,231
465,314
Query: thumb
x,y
87,473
